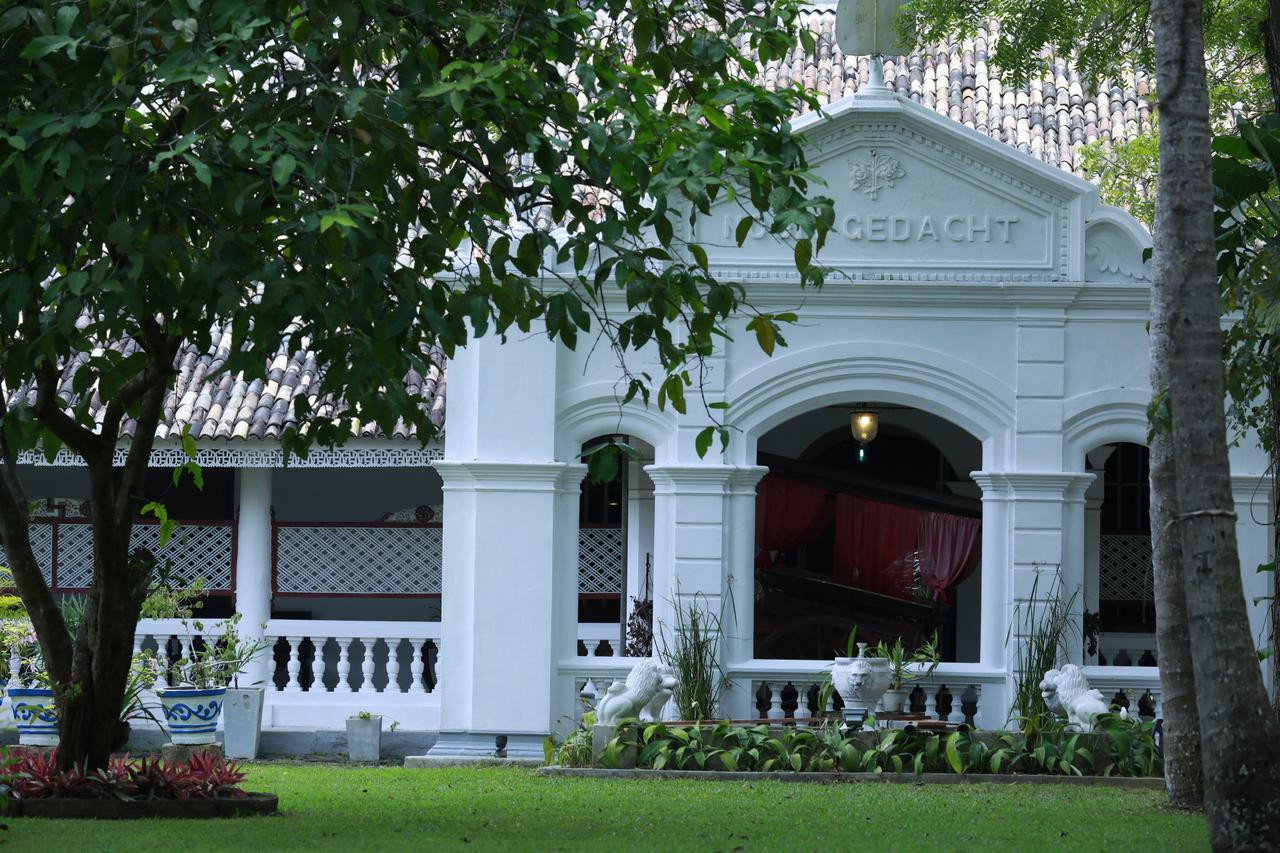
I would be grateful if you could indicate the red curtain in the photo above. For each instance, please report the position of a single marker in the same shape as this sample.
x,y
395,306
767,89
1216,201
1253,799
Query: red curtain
x,y
949,547
789,514
874,543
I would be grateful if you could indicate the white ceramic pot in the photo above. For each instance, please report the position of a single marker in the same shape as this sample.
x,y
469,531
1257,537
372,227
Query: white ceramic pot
x,y
895,701
364,738
191,713
35,715
242,722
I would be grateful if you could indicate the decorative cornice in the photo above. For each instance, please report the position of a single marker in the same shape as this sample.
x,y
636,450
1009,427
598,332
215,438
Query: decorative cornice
x,y
686,479
1033,485
475,475
265,455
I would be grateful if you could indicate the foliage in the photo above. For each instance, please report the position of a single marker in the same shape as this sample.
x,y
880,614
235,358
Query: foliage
x,y
576,749
693,652
173,601
1047,748
377,182
900,661
1042,628
217,661
33,774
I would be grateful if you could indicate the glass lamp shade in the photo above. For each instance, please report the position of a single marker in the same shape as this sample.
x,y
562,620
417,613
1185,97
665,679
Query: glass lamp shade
x,y
864,426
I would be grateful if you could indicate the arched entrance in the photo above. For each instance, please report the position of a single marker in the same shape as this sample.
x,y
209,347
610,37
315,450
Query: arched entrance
x,y
885,536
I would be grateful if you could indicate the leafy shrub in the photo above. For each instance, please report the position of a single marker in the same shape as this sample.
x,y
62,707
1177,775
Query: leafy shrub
x,y
1047,749
30,774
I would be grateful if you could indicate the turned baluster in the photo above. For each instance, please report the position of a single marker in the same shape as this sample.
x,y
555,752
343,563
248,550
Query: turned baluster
x,y
162,663
366,666
437,671
393,666
957,707
775,703
931,702
317,665
15,666
592,647
293,685
344,665
417,665
802,702
588,694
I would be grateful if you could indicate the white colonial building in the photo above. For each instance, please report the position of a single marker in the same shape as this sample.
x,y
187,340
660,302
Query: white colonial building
x,y
985,305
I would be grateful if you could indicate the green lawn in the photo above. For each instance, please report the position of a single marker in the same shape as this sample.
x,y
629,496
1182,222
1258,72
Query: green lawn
x,y
327,806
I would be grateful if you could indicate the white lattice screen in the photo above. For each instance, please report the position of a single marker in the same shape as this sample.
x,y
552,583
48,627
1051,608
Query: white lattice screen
x,y
601,560
199,552
1124,568
41,546
358,560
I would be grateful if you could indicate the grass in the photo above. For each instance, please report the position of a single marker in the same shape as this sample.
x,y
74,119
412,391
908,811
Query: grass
x,y
337,807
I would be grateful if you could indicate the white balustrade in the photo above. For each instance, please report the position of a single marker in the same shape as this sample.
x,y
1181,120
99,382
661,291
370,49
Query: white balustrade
x,y
593,634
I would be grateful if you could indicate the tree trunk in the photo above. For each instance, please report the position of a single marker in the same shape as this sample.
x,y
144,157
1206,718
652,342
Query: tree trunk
x,y
1240,738
1271,48
1182,769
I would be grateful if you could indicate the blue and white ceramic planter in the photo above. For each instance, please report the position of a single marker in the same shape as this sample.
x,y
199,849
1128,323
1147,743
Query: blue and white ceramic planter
x,y
35,715
191,713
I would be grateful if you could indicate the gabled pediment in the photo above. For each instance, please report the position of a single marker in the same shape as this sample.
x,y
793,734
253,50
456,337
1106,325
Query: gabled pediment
x,y
919,197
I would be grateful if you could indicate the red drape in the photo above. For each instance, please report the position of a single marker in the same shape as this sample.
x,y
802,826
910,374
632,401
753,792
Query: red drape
x,y
949,546
874,543
789,514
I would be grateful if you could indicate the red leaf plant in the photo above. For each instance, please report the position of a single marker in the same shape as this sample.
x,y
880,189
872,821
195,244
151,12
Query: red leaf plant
x,y
31,774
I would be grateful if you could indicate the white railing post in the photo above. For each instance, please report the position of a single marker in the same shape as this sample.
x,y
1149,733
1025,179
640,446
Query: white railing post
x,y
775,701
393,666
931,701
344,665
366,666
417,665
15,666
802,701
295,665
317,664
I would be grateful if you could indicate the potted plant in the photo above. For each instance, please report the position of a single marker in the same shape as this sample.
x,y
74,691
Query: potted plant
x,y
192,708
30,703
900,672
364,736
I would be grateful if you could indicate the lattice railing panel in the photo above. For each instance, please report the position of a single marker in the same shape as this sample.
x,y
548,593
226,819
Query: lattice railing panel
x,y
1124,568
41,546
601,560
198,552
358,560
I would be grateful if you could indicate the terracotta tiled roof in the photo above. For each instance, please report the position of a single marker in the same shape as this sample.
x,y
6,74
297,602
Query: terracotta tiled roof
x,y
1050,118
217,404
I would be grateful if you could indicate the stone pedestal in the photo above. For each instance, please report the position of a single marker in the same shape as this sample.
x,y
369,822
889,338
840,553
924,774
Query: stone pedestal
x,y
182,752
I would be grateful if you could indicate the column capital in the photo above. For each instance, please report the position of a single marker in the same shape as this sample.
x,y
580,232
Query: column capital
x,y
1033,485
1251,489
710,479
490,476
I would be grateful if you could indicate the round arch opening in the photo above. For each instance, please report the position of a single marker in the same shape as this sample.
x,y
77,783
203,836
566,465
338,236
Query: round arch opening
x,y
883,535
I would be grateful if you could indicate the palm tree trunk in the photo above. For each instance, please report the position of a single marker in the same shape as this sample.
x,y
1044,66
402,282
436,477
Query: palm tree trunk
x,y
1182,768
1240,737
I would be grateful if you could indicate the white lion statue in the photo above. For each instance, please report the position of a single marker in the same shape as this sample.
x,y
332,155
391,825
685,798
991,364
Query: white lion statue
x,y
648,687
1066,691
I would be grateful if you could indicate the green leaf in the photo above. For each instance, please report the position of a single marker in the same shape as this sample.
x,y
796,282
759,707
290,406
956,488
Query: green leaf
x,y
743,229
953,754
17,142
703,442
283,168
804,252
699,255
201,170
42,46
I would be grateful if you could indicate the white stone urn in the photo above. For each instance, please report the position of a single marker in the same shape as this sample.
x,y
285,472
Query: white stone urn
x,y
862,680
364,737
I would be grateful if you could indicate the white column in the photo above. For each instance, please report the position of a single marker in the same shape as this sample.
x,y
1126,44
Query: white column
x,y
737,699
996,533
639,508
1093,497
253,566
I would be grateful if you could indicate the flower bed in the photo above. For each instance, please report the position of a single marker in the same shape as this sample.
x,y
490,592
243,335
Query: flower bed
x,y
32,784
1120,747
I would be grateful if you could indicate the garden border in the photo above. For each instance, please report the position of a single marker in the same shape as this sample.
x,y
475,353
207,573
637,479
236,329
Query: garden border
x,y
250,805
1145,783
